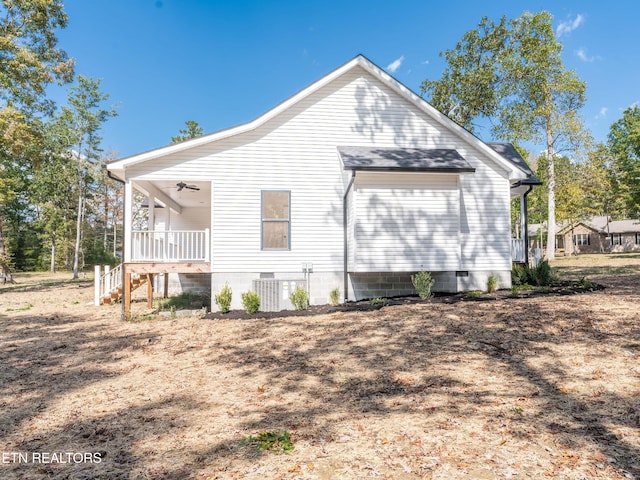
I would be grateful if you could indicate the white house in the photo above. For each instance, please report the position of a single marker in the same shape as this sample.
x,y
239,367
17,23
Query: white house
x,y
353,183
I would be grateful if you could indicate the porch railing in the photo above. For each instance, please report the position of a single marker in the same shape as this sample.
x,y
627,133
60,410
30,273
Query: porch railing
x,y
106,283
170,246
517,250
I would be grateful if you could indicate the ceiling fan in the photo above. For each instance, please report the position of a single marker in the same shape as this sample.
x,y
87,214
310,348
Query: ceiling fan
x,y
182,185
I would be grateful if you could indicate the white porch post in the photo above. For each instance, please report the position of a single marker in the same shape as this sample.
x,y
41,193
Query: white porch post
x,y
96,285
152,213
523,218
210,245
207,245
128,216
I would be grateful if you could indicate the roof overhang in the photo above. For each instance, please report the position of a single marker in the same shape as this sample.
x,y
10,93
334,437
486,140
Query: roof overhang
x,y
394,159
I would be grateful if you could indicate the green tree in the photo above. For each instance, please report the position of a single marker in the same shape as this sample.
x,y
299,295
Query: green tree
x,y
51,195
79,128
193,130
600,183
624,145
569,192
512,73
29,61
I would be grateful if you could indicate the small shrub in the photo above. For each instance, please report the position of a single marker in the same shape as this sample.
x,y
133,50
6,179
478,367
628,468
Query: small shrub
x,y
299,298
492,283
422,281
519,275
473,294
540,275
250,302
378,301
543,275
334,295
223,299
585,283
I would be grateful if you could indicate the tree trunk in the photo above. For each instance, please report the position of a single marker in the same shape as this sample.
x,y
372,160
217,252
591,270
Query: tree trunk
x,y
4,267
76,251
53,253
551,218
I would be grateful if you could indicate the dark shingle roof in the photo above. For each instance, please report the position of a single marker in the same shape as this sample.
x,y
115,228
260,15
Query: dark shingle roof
x,y
509,152
404,159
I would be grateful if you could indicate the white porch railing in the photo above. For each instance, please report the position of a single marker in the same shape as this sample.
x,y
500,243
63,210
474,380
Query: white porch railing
x,y
107,283
170,246
517,250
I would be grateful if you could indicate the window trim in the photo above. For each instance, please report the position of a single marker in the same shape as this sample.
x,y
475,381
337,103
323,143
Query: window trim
x,y
273,220
580,238
617,236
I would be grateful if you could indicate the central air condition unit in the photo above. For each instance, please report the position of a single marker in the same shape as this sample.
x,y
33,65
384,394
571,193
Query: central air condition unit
x,y
274,293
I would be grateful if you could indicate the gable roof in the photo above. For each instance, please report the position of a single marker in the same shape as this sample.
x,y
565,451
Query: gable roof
x,y
597,223
404,159
509,152
515,171
623,226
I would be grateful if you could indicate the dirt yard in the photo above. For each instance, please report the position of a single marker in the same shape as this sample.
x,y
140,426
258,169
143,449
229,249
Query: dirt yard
x,y
542,387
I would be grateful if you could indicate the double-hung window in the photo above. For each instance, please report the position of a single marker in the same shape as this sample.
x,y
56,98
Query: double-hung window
x,y
276,220
616,239
581,239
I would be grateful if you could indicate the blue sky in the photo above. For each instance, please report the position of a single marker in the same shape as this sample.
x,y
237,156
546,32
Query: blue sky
x,y
223,63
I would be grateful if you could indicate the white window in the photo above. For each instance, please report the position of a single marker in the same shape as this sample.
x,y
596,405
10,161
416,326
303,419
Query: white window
x,y
581,239
276,220
616,239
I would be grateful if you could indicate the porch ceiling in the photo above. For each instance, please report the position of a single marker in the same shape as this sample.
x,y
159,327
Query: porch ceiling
x,y
186,197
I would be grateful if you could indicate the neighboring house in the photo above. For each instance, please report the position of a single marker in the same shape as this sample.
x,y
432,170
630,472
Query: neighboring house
x,y
598,234
353,183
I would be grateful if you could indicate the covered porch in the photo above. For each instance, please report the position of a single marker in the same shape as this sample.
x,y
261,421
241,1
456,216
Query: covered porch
x,y
167,235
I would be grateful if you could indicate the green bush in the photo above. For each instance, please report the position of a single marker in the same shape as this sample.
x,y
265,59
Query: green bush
x,y
299,298
378,301
223,299
423,282
334,295
541,275
519,275
492,283
250,302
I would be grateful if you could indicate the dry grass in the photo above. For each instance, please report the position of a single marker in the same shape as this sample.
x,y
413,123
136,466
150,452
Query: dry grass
x,y
545,387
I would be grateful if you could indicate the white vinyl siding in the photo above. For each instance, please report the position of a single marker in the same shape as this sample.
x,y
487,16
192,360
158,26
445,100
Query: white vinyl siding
x,y
406,222
485,228
296,151
191,218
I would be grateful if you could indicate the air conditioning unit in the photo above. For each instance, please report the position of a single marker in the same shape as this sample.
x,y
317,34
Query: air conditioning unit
x,y
274,293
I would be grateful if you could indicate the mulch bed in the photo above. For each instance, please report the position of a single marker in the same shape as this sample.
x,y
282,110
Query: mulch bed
x,y
559,288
